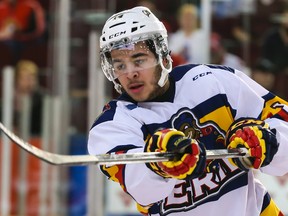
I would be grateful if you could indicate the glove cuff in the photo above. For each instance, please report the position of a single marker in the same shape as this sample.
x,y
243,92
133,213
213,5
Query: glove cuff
x,y
156,169
243,122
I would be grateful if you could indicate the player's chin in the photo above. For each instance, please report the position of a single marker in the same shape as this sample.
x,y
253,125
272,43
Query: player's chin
x,y
139,94
138,97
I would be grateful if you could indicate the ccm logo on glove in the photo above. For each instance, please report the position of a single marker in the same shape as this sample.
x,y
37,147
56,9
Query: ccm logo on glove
x,y
257,137
187,164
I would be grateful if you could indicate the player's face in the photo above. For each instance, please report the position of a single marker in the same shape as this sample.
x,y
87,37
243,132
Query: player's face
x,y
138,71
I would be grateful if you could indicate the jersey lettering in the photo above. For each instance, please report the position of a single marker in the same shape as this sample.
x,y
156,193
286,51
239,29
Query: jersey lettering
x,y
190,194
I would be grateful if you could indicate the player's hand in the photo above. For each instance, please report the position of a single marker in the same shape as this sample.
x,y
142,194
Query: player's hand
x,y
256,136
187,164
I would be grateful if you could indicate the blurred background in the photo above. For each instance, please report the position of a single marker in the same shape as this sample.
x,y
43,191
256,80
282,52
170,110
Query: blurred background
x,y
52,87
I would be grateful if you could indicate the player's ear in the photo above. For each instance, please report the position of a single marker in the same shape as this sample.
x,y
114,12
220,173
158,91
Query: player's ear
x,y
165,62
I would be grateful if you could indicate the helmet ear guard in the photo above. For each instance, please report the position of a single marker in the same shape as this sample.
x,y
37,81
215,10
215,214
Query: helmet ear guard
x,y
164,53
132,26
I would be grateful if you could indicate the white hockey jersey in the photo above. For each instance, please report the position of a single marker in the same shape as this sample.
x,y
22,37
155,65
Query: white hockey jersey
x,y
204,100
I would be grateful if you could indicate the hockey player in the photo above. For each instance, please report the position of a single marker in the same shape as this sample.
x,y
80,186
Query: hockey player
x,y
187,110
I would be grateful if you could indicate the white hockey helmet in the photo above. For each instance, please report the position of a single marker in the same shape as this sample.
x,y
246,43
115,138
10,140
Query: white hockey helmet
x,y
129,27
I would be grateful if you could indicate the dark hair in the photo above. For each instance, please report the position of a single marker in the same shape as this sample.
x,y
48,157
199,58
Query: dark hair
x,y
151,46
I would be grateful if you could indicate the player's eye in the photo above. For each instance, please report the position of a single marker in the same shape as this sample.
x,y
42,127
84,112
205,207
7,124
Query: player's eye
x,y
139,62
119,67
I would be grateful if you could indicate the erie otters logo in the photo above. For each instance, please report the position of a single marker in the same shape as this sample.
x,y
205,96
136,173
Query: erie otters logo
x,y
222,178
185,121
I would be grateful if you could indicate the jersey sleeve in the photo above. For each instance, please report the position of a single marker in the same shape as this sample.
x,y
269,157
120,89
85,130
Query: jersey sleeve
x,y
250,99
275,112
124,136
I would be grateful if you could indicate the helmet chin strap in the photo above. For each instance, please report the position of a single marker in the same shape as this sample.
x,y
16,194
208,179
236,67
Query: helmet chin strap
x,y
165,71
117,87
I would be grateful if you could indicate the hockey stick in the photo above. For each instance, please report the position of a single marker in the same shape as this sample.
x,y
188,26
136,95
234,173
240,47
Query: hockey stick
x,y
112,159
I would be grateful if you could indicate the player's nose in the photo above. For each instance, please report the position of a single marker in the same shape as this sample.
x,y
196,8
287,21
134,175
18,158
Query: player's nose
x,y
132,72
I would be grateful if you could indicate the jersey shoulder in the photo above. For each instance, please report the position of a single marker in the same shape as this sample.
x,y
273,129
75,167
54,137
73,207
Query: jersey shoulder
x,y
107,114
180,71
115,106
221,67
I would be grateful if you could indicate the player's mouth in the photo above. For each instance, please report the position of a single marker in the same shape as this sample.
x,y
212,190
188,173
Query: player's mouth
x,y
136,87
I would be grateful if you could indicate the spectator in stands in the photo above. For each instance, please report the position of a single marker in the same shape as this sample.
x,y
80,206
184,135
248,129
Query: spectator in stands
x,y
275,49
188,39
227,19
264,73
26,84
219,55
275,44
21,21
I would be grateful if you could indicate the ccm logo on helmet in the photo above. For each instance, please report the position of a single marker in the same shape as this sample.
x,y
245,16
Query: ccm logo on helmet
x,y
116,34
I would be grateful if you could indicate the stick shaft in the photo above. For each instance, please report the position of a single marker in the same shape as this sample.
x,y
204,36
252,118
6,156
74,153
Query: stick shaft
x,y
112,159
165,156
